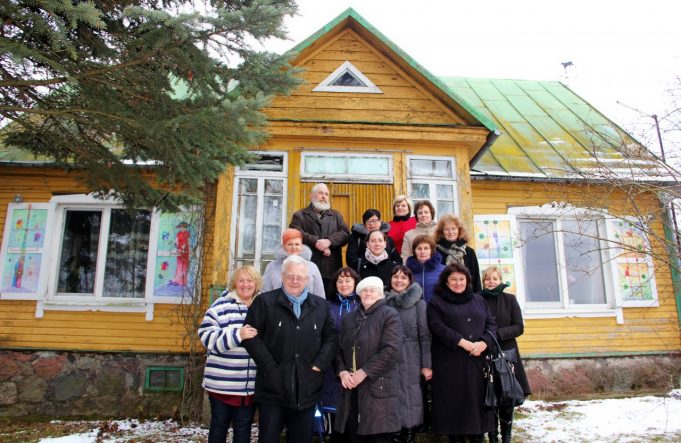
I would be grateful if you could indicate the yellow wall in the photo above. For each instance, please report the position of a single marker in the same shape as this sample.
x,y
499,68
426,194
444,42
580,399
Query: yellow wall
x,y
81,330
402,100
644,329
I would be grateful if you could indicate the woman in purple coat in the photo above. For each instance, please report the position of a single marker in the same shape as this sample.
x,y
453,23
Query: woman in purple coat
x,y
425,264
460,324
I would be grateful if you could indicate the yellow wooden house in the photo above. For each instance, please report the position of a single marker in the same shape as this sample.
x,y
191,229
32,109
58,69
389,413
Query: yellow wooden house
x,y
513,158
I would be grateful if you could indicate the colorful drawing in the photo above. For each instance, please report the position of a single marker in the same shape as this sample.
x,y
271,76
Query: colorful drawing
x,y
173,276
21,272
493,239
630,239
28,229
634,281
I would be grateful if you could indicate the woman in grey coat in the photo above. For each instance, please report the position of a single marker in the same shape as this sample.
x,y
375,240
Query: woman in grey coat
x,y
406,297
366,363
292,244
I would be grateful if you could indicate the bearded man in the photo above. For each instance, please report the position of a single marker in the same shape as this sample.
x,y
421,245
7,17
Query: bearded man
x,y
324,231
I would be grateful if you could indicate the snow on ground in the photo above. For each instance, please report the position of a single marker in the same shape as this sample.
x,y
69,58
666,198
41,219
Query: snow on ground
x,y
636,419
607,420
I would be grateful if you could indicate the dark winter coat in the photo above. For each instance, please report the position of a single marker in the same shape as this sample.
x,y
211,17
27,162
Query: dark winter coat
x,y
457,376
375,335
286,348
470,260
509,319
415,353
330,226
357,245
332,386
397,230
381,270
426,274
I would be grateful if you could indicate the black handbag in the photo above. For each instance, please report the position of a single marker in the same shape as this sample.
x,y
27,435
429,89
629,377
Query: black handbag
x,y
502,389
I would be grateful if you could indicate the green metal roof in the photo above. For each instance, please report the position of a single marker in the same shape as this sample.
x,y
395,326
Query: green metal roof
x,y
547,129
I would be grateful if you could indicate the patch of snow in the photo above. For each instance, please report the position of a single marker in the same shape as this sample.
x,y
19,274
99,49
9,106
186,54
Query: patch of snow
x,y
603,420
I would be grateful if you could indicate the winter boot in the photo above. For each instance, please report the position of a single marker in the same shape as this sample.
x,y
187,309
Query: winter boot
x,y
493,437
506,431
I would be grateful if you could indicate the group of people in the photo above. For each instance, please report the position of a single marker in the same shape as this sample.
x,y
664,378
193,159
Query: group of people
x,y
407,323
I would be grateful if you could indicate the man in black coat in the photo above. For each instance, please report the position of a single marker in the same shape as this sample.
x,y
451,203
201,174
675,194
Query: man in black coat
x,y
324,231
296,342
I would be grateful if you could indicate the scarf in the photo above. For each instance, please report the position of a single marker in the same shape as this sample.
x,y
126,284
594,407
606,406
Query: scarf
x,y
452,251
346,302
399,218
375,259
494,293
297,301
457,299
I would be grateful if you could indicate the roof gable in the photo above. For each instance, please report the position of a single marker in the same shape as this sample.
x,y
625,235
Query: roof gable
x,y
351,25
398,98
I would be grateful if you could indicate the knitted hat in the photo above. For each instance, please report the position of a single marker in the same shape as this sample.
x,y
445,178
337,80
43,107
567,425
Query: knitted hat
x,y
290,234
370,282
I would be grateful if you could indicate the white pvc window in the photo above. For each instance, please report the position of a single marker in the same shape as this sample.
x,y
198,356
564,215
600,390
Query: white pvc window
x,y
434,179
563,262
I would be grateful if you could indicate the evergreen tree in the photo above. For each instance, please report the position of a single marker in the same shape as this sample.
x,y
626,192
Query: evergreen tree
x,y
119,88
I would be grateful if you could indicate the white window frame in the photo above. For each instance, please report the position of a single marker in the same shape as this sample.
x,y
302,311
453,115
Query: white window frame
x,y
349,176
611,308
431,181
261,176
325,85
48,299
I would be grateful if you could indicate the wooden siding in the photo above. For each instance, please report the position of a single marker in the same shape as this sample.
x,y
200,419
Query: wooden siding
x,y
654,329
352,199
86,330
402,101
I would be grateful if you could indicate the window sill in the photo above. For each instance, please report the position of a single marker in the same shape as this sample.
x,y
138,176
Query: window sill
x,y
530,313
105,306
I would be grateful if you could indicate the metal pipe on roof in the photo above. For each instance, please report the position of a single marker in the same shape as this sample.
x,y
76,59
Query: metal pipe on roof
x,y
491,138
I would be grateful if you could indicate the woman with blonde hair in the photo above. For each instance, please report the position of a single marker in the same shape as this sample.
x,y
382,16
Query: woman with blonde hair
x,y
450,239
229,375
402,221
509,318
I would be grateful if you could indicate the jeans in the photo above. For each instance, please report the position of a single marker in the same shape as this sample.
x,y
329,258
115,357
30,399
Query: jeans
x,y
222,415
274,418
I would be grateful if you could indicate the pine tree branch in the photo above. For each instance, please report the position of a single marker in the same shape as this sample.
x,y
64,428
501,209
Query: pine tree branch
x,y
57,80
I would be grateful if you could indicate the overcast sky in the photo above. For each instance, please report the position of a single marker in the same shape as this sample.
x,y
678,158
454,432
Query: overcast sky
x,y
627,51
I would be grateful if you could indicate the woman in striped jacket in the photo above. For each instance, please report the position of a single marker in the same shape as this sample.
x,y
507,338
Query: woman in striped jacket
x,y
229,375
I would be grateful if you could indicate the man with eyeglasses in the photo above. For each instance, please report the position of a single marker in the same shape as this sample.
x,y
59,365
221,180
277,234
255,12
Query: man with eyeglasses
x,y
295,344
324,231
371,221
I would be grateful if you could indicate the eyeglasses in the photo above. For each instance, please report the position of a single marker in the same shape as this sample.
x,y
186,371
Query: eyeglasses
x,y
374,220
450,230
296,278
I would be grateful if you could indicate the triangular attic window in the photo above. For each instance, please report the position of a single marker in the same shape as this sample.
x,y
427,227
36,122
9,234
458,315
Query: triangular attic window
x,y
347,78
